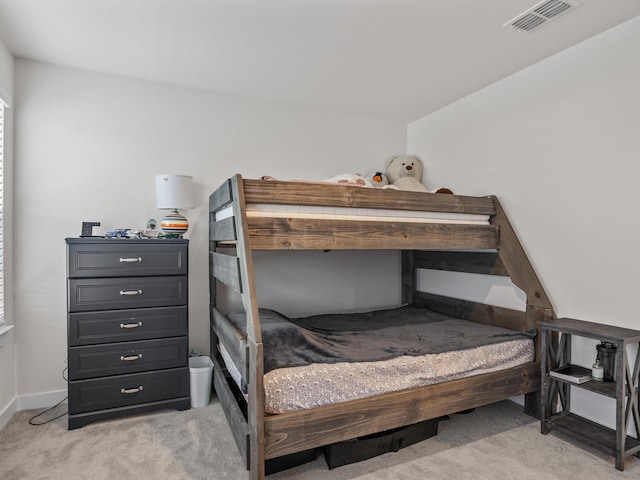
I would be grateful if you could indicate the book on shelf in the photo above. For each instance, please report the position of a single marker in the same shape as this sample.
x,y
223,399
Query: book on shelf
x,y
572,373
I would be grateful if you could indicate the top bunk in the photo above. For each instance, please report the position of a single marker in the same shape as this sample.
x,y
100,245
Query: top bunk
x,y
433,230
294,215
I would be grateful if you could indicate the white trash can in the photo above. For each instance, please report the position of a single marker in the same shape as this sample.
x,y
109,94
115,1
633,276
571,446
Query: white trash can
x,y
200,374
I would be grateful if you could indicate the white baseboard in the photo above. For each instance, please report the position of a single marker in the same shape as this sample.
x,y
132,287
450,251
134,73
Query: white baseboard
x,y
7,412
29,402
40,400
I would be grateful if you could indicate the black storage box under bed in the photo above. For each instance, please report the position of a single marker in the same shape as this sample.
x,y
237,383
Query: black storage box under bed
x,y
363,448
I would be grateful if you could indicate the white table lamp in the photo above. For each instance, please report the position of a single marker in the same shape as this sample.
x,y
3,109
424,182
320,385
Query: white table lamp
x,y
174,192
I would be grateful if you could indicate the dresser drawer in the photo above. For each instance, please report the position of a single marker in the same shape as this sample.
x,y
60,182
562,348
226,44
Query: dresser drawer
x,y
90,328
127,357
126,258
123,390
88,294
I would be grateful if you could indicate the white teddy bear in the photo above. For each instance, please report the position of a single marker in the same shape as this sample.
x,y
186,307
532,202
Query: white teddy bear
x,y
405,172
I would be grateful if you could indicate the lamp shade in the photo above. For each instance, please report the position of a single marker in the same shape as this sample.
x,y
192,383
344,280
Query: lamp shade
x,y
174,191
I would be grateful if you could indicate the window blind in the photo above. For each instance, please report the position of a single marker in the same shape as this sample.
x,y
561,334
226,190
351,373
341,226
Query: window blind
x,y
2,106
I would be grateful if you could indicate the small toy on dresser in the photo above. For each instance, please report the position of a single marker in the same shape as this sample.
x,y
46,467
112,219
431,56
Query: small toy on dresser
x,y
405,173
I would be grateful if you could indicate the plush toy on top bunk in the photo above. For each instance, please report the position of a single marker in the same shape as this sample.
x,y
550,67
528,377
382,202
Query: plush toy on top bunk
x,y
405,173
354,179
373,179
379,180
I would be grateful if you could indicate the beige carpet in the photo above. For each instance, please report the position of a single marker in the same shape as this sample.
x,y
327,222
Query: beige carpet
x,y
494,442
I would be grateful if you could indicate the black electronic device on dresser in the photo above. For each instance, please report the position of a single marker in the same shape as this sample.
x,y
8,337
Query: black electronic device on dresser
x,y
127,327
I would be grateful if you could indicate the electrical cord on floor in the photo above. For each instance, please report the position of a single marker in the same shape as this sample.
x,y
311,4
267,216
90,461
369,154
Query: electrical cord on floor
x,y
31,420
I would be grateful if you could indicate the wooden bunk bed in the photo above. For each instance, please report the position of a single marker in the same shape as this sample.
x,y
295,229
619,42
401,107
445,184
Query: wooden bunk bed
x,y
489,247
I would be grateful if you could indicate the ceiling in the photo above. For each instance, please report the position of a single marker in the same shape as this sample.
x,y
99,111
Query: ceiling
x,y
391,59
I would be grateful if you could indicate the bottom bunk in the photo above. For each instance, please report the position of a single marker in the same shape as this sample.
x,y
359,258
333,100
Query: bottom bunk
x,y
339,377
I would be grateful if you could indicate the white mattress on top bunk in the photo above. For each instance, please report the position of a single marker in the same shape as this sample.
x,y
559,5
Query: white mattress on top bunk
x,y
257,210
304,387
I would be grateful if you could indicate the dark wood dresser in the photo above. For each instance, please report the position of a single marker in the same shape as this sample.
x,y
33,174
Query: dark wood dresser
x,y
127,327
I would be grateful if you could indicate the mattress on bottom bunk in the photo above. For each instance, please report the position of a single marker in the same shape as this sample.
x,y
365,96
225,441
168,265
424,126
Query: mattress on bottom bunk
x,y
326,359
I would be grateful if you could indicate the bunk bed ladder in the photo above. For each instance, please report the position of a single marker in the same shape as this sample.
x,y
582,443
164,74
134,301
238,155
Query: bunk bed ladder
x,y
237,272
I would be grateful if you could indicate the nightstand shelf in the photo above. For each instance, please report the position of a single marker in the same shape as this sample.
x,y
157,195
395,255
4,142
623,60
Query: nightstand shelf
x,y
607,389
589,432
556,392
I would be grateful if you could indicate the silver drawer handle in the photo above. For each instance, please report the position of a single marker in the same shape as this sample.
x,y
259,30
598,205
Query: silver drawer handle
x,y
131,260
130,357
130,325
130,292
131,390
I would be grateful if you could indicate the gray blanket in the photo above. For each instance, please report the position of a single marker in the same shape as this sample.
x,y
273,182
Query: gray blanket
x,y
367,337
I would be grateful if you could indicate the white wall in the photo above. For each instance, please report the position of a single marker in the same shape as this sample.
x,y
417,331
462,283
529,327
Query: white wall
x,y
559,144
87,148
7,352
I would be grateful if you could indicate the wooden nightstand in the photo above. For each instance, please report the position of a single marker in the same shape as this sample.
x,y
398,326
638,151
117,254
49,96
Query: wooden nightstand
x,y
556,353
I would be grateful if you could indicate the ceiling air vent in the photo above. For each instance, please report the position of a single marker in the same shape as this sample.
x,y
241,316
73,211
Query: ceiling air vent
x,y
540,14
